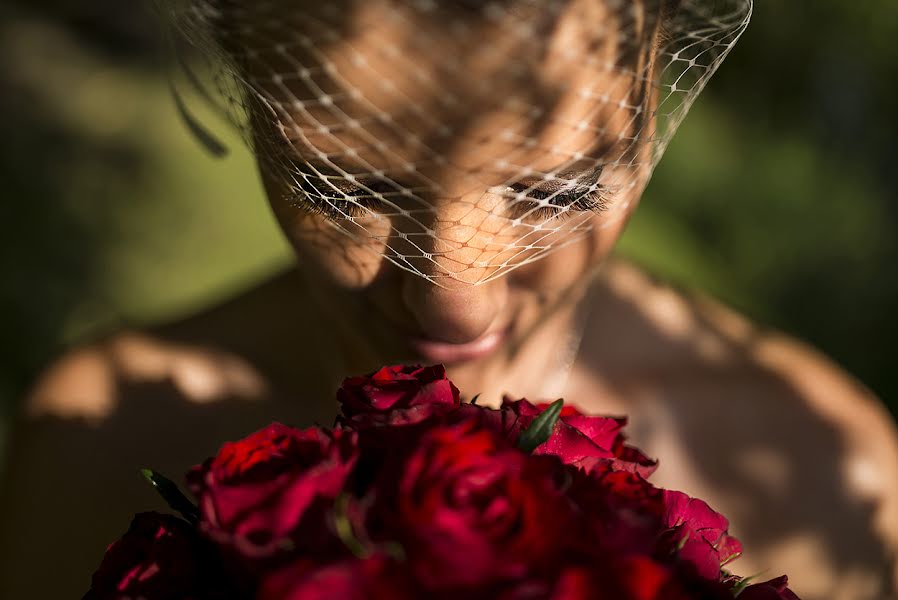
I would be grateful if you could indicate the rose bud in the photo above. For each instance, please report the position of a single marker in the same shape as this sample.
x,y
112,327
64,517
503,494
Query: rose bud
x,y
397,395
580,440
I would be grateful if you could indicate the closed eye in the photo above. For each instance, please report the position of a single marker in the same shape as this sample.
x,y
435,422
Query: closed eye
x,y
332,199
337,197
535,203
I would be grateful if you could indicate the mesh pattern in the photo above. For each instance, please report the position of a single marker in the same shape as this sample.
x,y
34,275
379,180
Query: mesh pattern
x,y
459,138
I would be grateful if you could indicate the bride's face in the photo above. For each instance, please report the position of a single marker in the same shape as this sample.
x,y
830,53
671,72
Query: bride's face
x,y
451,175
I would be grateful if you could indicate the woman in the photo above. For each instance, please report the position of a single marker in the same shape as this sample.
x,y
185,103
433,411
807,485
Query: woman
x,y
453,174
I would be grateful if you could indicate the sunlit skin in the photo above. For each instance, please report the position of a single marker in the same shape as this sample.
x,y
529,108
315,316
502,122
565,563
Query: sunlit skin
x,y
800,456
473,147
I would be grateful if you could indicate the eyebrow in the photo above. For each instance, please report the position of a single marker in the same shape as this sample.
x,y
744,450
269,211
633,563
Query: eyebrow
x,y
584,176
291,148
330,169
384,184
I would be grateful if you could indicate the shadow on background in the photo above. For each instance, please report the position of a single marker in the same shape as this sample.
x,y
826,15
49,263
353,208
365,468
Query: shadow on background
x,y
778,195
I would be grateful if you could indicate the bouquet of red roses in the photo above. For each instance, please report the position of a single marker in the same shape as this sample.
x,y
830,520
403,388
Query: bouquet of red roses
x,y
415,494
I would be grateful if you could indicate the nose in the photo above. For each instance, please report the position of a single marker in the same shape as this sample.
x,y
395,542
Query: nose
x,y
454,311
457,309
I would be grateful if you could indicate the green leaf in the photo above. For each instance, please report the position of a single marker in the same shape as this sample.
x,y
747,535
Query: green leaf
x,y
744,582
683,540
740,586
172,495
360,548
541,428
343,527
474,399
394,550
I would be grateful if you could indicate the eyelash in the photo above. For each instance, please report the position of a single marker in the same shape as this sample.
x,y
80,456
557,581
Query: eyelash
x,y
334,204
534,204
336,209
527,204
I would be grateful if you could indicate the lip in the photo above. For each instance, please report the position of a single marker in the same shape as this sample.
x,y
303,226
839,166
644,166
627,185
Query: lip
x,y
448,353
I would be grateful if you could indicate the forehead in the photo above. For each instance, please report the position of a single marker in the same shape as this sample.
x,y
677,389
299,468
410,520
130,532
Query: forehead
x,y
430,86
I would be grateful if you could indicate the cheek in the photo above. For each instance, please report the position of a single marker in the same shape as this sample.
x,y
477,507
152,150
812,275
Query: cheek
x,y
353,256
570,265
345,260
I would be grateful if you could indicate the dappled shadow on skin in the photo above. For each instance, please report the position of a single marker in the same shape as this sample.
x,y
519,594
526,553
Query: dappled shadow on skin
x,y
84,483
748,442
751,443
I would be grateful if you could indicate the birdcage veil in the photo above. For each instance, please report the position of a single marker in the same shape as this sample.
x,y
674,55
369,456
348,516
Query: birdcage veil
x,y
457,138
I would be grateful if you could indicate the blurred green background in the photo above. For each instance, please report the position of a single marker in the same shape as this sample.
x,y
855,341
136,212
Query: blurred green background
x,y
778,195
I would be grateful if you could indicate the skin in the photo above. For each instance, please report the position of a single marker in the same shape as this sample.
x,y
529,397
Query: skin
x,y
472,224
802,458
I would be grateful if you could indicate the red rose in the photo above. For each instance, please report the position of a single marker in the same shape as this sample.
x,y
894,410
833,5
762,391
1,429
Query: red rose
x,y
471,510
775,589
157,559
579,439
699,534
397,395
626,515
622,512
271,491
634,578
642,578
358,579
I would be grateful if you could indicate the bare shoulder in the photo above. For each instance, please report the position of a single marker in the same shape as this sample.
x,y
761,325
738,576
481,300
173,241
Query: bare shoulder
x,y
684,334
85,382
221,352
800,455
162,398
78,384
866,428
93,418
